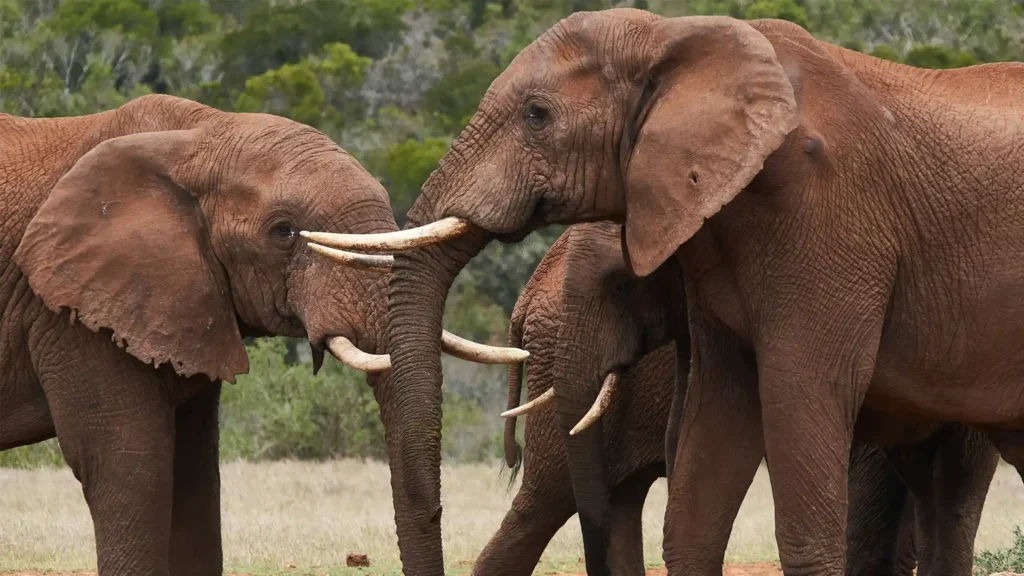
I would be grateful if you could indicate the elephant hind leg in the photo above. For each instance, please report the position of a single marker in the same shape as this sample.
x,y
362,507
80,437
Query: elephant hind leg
x,y
195,528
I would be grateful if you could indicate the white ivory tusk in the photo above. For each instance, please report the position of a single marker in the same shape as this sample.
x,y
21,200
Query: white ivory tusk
x,y
601,404
354,259
531,406
443,229
480,353
346,352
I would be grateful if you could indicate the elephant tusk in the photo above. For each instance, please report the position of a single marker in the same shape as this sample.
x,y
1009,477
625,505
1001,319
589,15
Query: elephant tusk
x,y
443,229
346,352
604,400
354,259
480,353
531,406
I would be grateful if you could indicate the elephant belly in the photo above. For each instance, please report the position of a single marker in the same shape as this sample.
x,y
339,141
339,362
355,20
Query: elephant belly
x,y
954,351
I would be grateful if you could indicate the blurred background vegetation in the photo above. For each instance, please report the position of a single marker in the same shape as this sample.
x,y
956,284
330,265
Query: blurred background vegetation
x,y
393,81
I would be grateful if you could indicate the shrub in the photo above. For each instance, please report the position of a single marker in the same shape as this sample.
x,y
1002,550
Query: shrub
x,y
1007,560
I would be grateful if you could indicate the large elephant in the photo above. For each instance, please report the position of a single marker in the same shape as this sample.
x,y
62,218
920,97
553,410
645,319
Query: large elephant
x,y
848,229
582,291
138,247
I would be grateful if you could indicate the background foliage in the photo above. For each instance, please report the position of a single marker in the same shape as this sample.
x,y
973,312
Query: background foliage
x,y
393,81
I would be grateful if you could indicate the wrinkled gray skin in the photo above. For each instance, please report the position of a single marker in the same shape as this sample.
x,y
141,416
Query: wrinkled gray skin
x,y
582,292
848,229
171,227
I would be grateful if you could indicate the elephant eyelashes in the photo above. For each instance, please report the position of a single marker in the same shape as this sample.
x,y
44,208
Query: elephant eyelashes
x,y
537,116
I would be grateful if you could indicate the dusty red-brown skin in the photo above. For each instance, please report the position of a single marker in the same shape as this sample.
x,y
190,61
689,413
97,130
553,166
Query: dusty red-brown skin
x,y
582,293
171,229
849,230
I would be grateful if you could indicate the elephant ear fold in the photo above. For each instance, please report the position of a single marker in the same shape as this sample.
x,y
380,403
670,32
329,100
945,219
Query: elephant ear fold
x,y
123,245
716,102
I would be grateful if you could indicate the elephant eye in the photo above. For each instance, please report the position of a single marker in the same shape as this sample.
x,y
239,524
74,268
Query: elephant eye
x,y
537,116
283,231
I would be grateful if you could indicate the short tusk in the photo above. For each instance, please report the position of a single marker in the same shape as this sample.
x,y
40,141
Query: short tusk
x,y
443,229
531,406
346,352
604,399
354,259
480,353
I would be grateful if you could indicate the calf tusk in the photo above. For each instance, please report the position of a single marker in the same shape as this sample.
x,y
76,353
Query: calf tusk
x,y
346,352
604,399
443,229
480,353
354,259
531,406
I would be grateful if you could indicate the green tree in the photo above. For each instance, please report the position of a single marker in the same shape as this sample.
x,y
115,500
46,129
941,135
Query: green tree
x,y
318,90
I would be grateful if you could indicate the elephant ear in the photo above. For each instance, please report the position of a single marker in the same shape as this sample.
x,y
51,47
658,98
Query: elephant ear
x,y
716,103
124,246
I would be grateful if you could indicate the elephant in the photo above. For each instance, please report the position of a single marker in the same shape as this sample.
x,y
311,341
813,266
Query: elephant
x,y
582,291
846,227
138,247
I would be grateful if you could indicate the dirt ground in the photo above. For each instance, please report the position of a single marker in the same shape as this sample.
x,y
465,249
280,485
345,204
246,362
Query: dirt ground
x,y
755,569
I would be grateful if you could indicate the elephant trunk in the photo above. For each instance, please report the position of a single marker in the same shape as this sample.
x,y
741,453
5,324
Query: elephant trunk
x,y
575,392
418,288
420,547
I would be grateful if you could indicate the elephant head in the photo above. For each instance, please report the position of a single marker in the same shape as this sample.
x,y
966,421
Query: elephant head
x,y
616,115
175,227
587,323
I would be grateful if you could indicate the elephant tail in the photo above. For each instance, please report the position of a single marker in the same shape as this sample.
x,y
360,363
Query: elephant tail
x,y
513,451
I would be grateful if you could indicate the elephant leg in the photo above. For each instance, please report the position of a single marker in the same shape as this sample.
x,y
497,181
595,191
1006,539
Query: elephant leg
x,y
810,400
718,451
916,466
626,550
906,543
114,419
964,465
195,526
542,506
878,501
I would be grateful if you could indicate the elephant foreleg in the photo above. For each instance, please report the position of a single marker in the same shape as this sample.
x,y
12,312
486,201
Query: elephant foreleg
x,y
718,451
543,504
195,528
115,422
626,549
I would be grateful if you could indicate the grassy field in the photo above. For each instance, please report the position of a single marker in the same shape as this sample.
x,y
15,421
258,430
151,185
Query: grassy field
x,y
305,518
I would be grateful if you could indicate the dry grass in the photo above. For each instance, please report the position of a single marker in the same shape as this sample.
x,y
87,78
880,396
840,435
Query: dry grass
x,y
312,515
